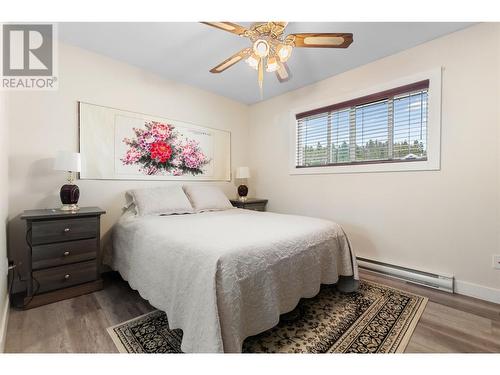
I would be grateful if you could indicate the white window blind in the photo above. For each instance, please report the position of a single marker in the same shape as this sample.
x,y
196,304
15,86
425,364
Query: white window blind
x,y
390,126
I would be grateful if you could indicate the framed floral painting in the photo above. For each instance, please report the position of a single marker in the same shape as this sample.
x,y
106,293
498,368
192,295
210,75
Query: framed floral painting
x,y
117,144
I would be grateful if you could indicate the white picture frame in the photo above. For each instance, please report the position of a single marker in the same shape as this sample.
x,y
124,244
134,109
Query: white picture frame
x,y
121,145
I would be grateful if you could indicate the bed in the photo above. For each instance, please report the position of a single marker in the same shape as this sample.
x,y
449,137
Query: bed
x,y
222,276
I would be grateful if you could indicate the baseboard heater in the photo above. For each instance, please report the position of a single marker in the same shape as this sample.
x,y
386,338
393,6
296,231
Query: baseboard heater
x,y
441,282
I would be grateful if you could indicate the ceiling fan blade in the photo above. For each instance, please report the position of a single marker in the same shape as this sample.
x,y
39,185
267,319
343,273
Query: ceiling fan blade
x,y
283,73
228,26
321,40
243,54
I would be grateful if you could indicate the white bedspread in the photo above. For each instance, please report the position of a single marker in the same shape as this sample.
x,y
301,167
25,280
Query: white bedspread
x,y
226,275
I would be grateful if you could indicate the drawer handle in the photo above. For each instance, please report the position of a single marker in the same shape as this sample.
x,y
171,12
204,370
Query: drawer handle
x,y
66,253
67,276
66,230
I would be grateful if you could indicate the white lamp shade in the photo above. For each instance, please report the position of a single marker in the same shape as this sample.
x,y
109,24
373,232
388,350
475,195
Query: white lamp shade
x,y
68,161
242,172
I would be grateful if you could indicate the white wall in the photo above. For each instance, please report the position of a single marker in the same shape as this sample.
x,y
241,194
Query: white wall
x,y
44,122
4,156
443,221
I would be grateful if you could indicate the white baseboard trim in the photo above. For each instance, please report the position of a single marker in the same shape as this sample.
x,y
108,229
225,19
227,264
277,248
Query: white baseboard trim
x,y
477,291
459,287
3,322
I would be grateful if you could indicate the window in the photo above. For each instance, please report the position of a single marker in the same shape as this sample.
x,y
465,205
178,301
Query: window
x,y
386,127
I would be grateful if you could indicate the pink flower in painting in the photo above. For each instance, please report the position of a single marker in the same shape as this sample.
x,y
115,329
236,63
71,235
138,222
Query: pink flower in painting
x,y
191,154
132,156
149,138
194,160
189,148
145,140
177,172
190,161
160,131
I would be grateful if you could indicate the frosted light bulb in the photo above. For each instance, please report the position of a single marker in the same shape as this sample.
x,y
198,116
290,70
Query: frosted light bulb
x,y
284,52
253,62
261,48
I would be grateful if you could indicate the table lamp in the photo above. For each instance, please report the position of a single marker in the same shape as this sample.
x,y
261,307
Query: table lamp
x,y
242,173
70,162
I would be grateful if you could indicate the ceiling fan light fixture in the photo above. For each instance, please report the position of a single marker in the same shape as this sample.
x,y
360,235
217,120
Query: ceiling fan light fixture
x,y
261,48
272,64
253,61
284,52
270,48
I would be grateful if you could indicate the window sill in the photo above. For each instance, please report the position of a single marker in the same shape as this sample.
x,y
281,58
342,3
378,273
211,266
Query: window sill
x,y
383,161
384,166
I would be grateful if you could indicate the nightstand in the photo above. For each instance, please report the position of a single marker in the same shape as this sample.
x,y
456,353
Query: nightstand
x,y
250,204
64,254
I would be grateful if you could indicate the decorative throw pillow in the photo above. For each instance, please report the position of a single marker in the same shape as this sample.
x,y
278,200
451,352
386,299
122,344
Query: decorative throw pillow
x,y
207,198
165,200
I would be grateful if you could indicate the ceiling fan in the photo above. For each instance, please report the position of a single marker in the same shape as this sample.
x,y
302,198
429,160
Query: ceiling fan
x,y
271,49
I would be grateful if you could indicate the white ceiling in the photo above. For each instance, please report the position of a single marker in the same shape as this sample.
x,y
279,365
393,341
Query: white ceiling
x,y
186,51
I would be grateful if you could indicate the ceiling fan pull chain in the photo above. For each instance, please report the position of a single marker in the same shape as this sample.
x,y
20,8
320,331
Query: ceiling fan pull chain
x,y
261,76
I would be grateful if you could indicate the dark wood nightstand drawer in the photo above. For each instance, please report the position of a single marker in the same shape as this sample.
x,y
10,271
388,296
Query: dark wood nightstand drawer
x,y
58,254
64,276
49,231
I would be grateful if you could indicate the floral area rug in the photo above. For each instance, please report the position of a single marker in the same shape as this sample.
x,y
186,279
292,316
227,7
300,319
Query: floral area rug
x,y
374,319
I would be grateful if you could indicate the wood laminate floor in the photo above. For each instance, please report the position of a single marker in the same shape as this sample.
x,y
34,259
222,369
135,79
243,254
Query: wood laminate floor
x,y
450,323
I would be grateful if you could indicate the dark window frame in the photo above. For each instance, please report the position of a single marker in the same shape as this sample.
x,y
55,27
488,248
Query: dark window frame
x,y
364,100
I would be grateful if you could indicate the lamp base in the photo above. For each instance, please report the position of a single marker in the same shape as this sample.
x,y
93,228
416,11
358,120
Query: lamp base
x,y
69,207
242,190
242,193
69,197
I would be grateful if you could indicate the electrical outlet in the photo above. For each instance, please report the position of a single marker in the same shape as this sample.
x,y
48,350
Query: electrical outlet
x,y
496,261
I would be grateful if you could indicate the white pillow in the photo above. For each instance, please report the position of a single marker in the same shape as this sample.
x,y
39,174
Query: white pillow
x,y
165,200
206,198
